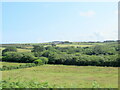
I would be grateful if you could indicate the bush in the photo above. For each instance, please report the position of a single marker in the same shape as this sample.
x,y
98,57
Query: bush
x,y
38,62
44,59
4,84
17,67
19,57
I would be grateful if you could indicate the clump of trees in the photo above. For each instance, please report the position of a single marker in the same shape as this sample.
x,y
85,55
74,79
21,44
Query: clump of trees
x,y
99,55
100,49
23,57
19,57
9,49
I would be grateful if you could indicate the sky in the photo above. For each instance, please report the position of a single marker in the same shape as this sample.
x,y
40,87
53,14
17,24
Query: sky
x,y
38,22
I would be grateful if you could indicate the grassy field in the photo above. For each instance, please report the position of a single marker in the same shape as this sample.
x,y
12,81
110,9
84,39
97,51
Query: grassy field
x,y
65,45
23,50
66,76
62,45
69,45
10,64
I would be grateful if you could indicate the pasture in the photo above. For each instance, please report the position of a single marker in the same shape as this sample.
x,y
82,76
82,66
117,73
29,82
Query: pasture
x,y
66,76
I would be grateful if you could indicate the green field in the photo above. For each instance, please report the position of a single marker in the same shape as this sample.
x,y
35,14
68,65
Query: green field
x,y
66,76
10,64
69,45
21,50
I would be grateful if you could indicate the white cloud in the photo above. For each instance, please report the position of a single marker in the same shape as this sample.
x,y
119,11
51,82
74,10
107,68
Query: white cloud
x,y
88,13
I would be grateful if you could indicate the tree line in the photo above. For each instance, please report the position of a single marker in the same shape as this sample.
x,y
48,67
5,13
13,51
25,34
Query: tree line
x,y
98,55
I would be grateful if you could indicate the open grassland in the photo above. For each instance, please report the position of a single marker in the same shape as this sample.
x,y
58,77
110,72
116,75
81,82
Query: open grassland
x,y
66,76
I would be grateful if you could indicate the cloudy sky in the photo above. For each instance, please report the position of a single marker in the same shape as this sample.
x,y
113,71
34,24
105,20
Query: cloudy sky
x,y
34,22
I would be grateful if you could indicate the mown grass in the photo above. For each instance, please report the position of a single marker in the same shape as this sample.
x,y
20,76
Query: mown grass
x,y
66,76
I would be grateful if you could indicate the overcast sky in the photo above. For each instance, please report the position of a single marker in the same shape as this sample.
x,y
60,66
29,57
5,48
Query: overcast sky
x,y
34,22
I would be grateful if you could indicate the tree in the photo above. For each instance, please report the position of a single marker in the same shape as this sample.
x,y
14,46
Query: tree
x,y
53,45
19,57
38,48
12,57
103,49
28,58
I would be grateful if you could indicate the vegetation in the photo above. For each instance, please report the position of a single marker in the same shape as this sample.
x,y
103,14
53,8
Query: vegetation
x,y
98,55
87,56
9,49
5,67
18,84
18,57
38,62
65,76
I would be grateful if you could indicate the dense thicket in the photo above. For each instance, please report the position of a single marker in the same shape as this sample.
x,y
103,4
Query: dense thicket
x,y
23,58
97,55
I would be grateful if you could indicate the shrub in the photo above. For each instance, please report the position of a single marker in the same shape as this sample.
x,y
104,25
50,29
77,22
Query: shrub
x,y
44,59
19,57
38,62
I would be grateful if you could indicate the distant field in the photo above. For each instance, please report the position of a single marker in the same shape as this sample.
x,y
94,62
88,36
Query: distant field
x,y
68,45
21,50
67,76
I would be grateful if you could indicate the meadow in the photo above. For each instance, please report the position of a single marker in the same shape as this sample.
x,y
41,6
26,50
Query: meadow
x,y
66,76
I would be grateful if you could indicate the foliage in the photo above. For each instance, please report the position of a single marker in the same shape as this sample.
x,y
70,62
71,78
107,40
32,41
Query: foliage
x,y
5,67
44,59
95,85
38,48
38,62
22,84
98,55
9,49
19,57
